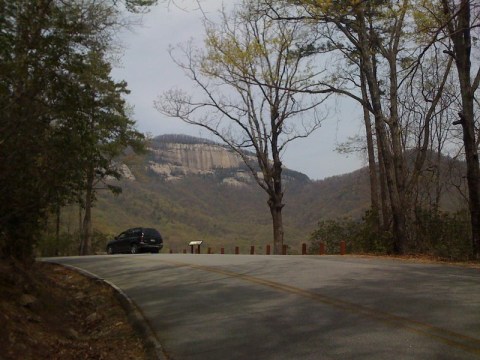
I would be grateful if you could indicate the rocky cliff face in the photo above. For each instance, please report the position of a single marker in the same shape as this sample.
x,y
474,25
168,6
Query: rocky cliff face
x,y
173,160
198,157
173,157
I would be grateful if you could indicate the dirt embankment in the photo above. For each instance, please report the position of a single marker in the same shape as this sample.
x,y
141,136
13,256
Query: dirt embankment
x,y
49,312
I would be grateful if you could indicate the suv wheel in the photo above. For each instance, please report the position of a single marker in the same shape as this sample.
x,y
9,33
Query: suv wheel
x,y
134,249
109,250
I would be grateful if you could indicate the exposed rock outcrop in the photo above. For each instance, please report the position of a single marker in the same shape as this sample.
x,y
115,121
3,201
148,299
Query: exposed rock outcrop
x,y
173,161
197,157
173,157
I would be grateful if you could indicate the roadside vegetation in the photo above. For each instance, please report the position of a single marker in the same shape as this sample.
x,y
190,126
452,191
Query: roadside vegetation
x,y
63,120
440,236
407,64
411,67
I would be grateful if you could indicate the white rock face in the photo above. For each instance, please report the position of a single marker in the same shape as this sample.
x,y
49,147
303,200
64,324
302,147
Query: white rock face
x,y
174,161
126,172
198,157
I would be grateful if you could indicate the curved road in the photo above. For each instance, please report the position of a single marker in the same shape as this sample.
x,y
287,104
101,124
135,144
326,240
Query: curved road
x,y
299,307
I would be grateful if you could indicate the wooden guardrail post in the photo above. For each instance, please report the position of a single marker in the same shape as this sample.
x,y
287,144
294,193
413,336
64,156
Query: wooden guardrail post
x,y
222,251
267,251
343,247
304,249
284,250
237,250
322,248
209,250
252,250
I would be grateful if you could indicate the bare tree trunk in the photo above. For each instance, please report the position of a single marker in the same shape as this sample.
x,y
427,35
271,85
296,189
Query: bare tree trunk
x,y
86,247
438,185
396,205
459,30
473,174
275,201
372,167
277,221
389,144
389,161
80,227
383,192
57,229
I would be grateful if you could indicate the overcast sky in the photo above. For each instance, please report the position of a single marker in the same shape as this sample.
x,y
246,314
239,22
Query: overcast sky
x,y
149,71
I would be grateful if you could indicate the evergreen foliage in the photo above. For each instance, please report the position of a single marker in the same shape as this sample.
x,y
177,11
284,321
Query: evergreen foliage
x,y
47,49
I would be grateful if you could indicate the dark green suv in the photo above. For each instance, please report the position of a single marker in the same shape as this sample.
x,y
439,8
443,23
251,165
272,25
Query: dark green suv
x,y
136,240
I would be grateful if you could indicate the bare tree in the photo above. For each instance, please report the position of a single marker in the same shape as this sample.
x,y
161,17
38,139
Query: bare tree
x,y
376,41
253,77
458,23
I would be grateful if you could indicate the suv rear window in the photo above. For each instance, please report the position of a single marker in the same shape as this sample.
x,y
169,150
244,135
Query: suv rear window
x,y
151,233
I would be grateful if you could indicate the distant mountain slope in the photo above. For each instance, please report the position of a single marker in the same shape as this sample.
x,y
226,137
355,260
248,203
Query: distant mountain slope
x,y
193,189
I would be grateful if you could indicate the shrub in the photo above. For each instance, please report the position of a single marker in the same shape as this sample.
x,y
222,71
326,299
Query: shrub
x,y
68,244
433,233
441,234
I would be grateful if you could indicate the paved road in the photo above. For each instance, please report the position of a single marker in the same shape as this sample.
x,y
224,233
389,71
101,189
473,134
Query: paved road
x,y
299,307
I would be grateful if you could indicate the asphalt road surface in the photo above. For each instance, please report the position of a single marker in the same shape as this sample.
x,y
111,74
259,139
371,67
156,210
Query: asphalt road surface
x,y
299,307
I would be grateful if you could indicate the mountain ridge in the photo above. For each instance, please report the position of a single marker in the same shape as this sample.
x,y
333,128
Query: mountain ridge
x,y
212,197
191,188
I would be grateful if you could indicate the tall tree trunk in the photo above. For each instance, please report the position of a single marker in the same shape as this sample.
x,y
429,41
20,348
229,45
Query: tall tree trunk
x,y
396,206
372,167
275,201
383,191
80,226
438,185
275,192
389,161
473,173
460,33
388,143
57,229
86,247
276,207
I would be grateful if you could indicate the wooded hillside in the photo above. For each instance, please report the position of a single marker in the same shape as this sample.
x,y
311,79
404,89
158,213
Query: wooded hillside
x,y
224,214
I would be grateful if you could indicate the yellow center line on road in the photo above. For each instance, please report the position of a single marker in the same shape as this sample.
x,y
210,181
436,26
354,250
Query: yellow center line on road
x,y
451,338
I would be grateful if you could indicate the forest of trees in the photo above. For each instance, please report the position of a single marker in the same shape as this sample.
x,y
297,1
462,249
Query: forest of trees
x,y
63,117
410,65
266,70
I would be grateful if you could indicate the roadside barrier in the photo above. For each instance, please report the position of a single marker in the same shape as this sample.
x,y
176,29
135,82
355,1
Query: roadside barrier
x,y
236,250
